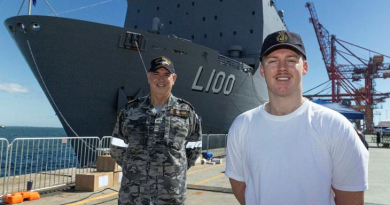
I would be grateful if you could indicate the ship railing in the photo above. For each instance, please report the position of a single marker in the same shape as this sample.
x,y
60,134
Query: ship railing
x,y
229,62
54,162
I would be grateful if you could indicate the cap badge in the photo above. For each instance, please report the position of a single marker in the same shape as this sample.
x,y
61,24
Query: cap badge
x,y
163,61
282,37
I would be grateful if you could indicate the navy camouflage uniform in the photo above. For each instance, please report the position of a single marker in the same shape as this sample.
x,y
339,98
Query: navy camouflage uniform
x,y
160,149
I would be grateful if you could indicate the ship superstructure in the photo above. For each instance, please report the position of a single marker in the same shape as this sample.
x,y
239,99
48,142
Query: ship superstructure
x,y
88,71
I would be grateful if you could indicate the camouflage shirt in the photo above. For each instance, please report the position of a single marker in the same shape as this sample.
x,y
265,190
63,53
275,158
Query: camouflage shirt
x,y
161,147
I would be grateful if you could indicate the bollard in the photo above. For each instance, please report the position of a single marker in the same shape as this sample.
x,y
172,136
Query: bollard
x,y
29,185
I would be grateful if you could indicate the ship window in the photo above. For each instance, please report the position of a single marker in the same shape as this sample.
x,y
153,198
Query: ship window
x,y
193,3
192,37
253,13
138,11
135,27
178,5
251,31
158,8
234,32
205,35
179,52
215,17
170,22
220,0
220,34
186,13
204,18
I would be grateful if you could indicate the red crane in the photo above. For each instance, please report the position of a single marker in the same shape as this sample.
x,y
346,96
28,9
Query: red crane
x,y
341,75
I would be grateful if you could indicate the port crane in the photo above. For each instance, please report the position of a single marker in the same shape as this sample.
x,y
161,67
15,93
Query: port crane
x,y
341,75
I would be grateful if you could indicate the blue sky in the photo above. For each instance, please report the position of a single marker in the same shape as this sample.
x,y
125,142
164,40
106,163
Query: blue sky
x,y
362,22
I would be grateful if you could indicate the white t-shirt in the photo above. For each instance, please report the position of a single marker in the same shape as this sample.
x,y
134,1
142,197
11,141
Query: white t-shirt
x,y
295,159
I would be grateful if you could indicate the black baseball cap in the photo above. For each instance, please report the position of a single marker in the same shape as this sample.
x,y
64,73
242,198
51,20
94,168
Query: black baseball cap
x,y
284,39
161,62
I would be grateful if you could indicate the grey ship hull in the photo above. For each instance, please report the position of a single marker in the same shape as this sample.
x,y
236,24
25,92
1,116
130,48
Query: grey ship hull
x,y
85,71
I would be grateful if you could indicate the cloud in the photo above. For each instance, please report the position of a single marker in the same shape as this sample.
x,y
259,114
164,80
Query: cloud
x,y
13,88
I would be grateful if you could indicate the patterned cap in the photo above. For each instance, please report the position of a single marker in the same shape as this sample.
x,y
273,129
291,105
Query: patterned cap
x,y
161,62
282,39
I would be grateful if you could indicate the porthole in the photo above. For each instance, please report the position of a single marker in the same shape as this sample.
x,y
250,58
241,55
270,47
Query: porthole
x,y
21,27
35,26
11,29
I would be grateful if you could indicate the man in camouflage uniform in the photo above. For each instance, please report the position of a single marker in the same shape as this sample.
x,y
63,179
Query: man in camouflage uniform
x,y
162,139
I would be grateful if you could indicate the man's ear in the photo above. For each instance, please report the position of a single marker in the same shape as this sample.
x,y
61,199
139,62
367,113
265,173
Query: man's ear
x,y
262,70
305,67
174,78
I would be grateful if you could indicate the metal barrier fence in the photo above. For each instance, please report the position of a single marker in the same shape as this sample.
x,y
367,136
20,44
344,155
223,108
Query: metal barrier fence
x,y
384,138
215,143
3,161
54,162
48,162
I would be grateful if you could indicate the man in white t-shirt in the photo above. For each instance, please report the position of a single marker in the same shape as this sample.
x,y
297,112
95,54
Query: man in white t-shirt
x,y
290,150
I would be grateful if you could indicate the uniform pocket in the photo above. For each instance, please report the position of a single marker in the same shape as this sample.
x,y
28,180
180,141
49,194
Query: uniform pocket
x,y
178,132
135,134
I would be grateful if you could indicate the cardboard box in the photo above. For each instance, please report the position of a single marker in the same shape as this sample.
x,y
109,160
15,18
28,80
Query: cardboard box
x,y
117,178
217,160
105,163
93,181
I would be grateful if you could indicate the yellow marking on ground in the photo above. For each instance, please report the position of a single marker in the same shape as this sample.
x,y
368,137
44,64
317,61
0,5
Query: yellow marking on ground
x,y
209,179
214,166
198,193
94,199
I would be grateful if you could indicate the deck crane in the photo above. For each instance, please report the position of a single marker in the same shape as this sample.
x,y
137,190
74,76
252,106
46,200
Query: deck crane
x,y
341,75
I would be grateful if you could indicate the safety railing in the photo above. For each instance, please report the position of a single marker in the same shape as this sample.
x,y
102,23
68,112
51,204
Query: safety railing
x,y
104,147
215,143
48,162
226,61
54,162
3,162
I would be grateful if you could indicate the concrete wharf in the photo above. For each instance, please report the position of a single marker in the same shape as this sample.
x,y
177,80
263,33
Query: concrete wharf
x,y
207,184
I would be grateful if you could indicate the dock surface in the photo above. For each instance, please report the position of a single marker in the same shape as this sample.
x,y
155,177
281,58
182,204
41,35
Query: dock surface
x,y
208,185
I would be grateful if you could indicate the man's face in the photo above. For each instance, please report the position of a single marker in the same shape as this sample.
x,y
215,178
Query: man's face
x,y
283,70
161,82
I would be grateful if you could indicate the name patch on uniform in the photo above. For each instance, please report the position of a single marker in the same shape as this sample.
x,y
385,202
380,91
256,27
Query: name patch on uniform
x,y
180,113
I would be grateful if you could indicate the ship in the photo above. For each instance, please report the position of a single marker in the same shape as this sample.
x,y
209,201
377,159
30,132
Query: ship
x,y
88,71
